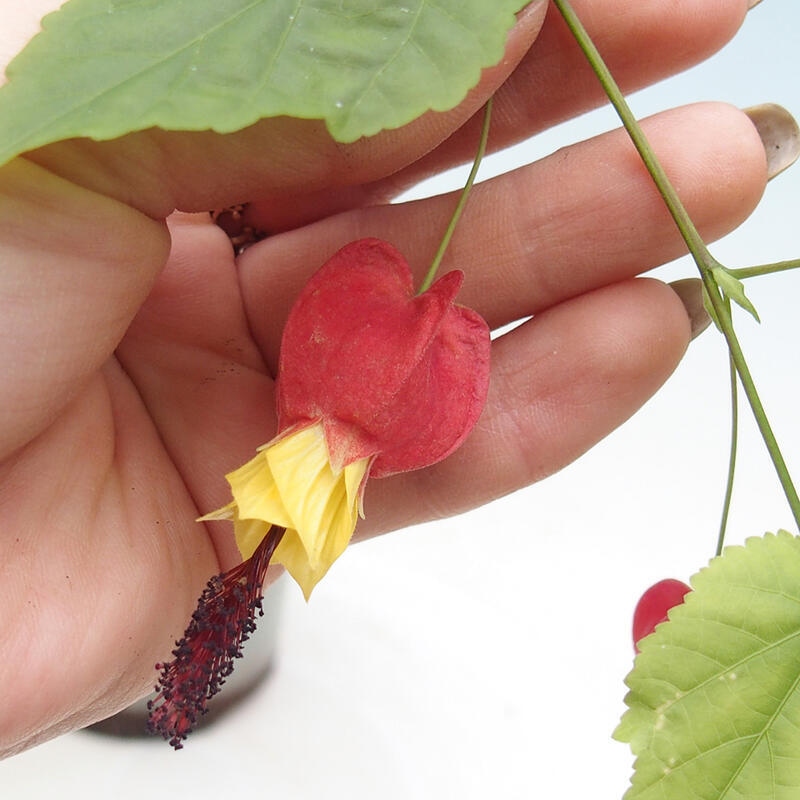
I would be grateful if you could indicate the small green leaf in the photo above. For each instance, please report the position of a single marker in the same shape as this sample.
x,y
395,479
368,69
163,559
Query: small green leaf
x,y
734,289
714,701
102,68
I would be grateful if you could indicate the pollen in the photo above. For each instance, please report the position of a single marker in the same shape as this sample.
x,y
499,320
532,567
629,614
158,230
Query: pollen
x,y
205,656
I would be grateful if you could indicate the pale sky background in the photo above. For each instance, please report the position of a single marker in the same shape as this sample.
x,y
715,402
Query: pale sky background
x,y
484,656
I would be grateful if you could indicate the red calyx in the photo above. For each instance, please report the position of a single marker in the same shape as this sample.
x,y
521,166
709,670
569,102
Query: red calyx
x,y
394,375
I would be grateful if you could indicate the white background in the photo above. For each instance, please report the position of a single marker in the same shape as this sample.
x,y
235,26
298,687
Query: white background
x,y
422,669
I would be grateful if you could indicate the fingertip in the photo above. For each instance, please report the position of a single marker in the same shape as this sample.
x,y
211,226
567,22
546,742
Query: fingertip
x,y
690,293
636,331
779,134
718,147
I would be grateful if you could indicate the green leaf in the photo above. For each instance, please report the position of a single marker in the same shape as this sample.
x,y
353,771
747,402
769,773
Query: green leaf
x,y
102,68
733,288
714,701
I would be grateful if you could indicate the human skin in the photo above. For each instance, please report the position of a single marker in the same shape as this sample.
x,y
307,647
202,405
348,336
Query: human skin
x,y
137,356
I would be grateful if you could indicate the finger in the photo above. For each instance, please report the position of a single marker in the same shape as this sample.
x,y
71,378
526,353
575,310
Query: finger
x,y
560,383
577,220
101,566
194,364
642,43
605,220
74,267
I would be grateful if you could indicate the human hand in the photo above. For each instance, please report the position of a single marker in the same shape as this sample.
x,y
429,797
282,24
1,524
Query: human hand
x,y
130,386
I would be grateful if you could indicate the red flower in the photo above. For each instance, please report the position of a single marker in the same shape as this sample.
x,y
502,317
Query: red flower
x,y
373,380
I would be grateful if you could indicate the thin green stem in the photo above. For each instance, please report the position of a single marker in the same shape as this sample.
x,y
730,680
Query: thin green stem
x,y
462,200
697,247
673,202
726,503
764,269
749,387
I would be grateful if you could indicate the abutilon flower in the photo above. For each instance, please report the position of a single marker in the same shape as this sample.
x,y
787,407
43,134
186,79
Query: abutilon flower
x,y
373,380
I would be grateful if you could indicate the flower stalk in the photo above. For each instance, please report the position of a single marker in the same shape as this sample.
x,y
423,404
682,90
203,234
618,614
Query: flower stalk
x,y
462,200
734,446
764,269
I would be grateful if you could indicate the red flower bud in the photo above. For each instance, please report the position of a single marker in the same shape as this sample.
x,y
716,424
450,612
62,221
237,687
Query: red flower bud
x,y
654,606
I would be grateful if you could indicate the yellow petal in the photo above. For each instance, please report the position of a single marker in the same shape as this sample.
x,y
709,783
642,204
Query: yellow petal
x,y
291,553
290,482
310,490
226,512
255,493
249,534
323,503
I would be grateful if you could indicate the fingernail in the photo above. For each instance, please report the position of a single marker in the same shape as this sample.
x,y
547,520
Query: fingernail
x,y
752,4
779,134
690,292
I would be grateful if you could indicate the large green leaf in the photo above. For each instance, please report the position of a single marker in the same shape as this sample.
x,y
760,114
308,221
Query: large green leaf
x,y
714,701
102,68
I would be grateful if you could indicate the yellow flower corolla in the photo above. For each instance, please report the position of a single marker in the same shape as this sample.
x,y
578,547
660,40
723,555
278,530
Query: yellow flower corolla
x,y
291,482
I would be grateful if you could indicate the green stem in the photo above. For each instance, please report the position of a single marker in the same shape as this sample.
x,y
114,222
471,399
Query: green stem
x,y
462,200
697,247
749,387
764,269
673,202
726,503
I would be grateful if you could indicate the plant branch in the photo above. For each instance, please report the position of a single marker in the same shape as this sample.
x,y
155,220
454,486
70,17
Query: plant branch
x,y
726,503
764,269
676,208
697,247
